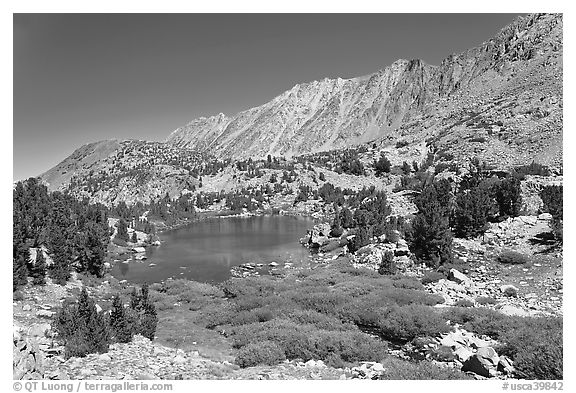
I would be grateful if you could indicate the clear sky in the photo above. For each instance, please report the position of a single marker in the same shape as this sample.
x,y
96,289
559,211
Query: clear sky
x,y
80,78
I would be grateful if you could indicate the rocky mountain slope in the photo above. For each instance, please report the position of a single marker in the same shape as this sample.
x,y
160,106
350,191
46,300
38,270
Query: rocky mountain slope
x,y
408,95
501,102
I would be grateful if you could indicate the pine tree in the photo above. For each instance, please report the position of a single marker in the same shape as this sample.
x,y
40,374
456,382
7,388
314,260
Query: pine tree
x,y
143,313
508,194
20,255
134,237
149,321
473,209
336,228
38,271
346,218
362,238
119,323
60,271
406,168
387,265
382,165
552,197
122,233
431,237
82,329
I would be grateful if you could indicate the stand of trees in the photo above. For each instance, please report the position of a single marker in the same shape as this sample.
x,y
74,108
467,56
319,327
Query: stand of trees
x,y
84,330
74,232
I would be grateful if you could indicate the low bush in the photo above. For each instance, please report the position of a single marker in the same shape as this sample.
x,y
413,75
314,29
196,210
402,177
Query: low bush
x,y
307,342
407,283
319,320
481,320
264,352
464,303
512,257
397,369
486,300
432,276
408,322
536,348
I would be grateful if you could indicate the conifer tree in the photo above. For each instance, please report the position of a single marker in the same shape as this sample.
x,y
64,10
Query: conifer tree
x,y
82,328
473,209
38,271
336,228
119,322
122,233
508,194
431,237
346,218
134,237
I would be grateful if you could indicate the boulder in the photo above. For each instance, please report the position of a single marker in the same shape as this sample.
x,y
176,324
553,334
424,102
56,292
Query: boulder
x,y
458,277
138,249
401,248
489,355
463,354
179,359
26,307
545,216
45,313
505,365
104,357
514,311
509,290
478,365
39,329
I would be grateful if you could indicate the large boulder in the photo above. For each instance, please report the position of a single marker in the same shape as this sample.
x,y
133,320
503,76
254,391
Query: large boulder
x,y
458,277
401,248
39,329
484,362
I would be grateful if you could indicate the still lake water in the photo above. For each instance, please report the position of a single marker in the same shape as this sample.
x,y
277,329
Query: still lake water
x,y
205,251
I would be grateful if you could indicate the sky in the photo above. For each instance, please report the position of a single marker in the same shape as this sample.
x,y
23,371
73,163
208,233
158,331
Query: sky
x,y
80,78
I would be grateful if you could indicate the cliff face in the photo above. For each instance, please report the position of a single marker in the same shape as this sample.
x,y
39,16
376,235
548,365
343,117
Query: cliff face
x,y
333,113
314,116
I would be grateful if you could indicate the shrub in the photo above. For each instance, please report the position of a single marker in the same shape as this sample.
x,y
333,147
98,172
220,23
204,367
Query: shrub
x,y
398,369
401,144
407,283
486,300
432,276
464,303
535,345
481,320
264,352
319,320
532,169
408,322
512,257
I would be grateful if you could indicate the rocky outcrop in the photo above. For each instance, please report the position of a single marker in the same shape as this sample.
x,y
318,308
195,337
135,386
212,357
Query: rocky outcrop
x,y
28,362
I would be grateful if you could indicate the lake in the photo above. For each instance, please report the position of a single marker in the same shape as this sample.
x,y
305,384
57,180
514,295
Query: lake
x,y
206,250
